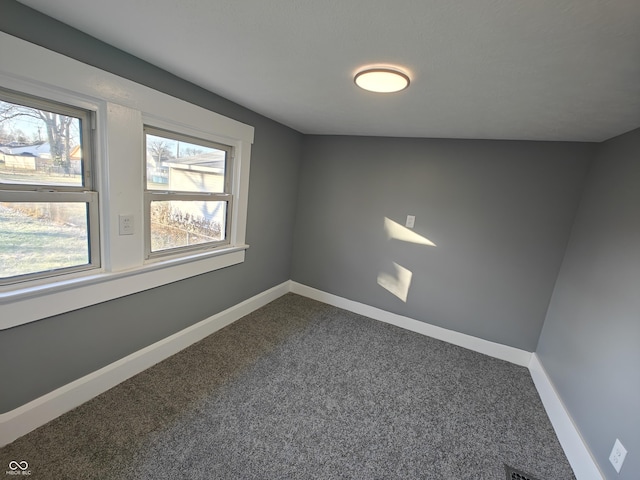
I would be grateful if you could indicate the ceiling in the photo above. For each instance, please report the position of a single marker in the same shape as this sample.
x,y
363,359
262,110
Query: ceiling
x,y
494,69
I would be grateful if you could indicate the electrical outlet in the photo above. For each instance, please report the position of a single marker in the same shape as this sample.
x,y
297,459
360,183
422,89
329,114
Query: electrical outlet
x,y
617,455
126,224
411,220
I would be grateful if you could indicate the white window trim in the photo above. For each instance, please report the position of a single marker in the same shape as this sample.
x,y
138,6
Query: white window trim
x,y
83,193
150,195
122,108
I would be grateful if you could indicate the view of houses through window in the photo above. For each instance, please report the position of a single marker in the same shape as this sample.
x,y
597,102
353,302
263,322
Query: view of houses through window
x,y
187,191
49,210
39,147
46,202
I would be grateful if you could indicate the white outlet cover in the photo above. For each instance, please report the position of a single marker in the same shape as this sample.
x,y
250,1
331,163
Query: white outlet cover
x,y
125,224
411,220
617,455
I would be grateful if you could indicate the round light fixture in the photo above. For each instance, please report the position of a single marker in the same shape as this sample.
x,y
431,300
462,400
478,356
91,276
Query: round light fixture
x,y
382,80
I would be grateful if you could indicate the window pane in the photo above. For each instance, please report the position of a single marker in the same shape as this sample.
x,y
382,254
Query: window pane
x,y
40,237
178,223
181,166
39,146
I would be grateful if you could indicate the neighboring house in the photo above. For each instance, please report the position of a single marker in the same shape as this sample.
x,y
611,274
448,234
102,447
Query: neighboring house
x,y
198,173
24,161
76,160
156,174
23,157
36,150
37,157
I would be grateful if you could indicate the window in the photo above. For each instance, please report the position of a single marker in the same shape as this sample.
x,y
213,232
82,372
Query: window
x,y
104,152
188,196
48,206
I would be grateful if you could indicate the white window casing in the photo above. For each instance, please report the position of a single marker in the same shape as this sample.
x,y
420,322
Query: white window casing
x,y
122,108
199,189
40,190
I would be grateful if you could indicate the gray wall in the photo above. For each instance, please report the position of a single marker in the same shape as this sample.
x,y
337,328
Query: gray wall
x,y
590,343
41,356
500,213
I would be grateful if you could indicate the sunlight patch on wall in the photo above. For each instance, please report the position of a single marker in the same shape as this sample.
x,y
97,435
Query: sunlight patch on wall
x,y
396,231
398,282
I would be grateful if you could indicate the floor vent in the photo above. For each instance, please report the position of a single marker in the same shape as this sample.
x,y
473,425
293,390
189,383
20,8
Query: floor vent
x,y
515,474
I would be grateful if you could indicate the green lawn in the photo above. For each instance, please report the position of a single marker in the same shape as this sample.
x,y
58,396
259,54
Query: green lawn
x,y
29,244
30,241
9,175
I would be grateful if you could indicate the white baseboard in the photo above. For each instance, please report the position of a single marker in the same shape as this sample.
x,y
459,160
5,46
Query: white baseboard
x,y
572,443
496,350
578,454
36,413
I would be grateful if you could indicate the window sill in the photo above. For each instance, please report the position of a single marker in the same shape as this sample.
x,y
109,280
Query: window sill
x,y
29,303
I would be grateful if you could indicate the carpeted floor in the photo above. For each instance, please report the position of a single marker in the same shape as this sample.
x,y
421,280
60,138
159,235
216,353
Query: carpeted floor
x,y
303,390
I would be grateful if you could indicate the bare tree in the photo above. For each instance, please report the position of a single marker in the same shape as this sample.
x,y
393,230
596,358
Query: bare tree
x,y
159,151
58,129
192,152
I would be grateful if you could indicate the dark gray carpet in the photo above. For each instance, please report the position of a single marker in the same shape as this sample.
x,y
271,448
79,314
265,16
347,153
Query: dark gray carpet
x,y
302,390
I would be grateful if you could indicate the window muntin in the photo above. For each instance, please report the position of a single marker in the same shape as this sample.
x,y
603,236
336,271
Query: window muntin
x,y
122,107
48,209
188,197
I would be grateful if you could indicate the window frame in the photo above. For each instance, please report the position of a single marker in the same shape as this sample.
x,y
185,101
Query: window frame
x,y
46,193
151,195
121,107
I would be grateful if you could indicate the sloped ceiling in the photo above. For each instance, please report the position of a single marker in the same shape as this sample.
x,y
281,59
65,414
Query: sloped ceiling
x,y
494,69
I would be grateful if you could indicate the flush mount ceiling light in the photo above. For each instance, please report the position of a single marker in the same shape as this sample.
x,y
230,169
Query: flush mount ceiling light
x,y
382,80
